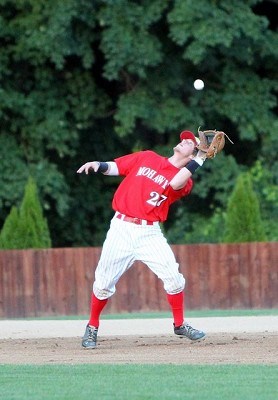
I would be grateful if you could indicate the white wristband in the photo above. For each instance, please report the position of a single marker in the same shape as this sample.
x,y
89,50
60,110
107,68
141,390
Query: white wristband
x,y
199,160
112,170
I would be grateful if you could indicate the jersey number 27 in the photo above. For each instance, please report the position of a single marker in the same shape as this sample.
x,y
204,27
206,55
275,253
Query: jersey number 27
x,y
156,199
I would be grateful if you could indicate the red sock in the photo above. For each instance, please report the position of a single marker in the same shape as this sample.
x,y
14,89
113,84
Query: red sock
x,y
97,306
176,303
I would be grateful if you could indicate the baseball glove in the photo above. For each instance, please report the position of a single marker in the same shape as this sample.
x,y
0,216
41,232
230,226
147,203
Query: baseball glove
x,y
211,142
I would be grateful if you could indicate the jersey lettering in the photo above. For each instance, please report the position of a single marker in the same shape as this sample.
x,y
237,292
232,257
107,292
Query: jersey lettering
x,y
156,199
152,174
159,179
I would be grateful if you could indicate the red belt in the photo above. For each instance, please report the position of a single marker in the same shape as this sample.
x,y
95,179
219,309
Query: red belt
x,y
136,221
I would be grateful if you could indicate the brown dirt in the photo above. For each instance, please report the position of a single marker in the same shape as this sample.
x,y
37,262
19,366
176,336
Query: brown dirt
x,y
224,348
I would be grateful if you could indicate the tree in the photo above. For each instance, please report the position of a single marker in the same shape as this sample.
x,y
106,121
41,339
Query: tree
x,y
87,79
9,236
243,219
26,228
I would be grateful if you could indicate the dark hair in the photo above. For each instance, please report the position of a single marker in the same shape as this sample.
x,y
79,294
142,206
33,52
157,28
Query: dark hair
x,y
195,151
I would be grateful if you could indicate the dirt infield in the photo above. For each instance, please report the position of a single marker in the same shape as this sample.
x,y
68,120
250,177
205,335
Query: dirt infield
x,y
215,349
230,345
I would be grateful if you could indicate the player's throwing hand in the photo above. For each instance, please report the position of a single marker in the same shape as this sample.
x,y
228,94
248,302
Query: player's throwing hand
x,y
93,165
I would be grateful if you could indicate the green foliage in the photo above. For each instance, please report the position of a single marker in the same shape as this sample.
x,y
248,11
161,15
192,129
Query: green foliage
x,y
243,220
245,90
127,41
10,236
13,175
227,50
236,24
26,228
196,228
83,80
207,230
33,224
265,184
219,174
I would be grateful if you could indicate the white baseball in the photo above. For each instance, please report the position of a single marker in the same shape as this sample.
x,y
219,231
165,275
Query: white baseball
x,y
199,84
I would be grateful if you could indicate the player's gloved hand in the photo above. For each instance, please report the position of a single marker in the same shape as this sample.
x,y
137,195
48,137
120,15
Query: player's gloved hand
x,y
89,166
211,142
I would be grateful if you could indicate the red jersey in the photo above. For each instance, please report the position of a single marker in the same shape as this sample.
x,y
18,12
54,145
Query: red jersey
x,y
145,192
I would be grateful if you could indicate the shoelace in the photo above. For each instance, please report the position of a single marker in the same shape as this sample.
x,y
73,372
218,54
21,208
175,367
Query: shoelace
x,y
92,334
190,330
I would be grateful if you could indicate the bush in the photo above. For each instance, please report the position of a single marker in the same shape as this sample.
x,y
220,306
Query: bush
x,y
9,234
26,228
243,219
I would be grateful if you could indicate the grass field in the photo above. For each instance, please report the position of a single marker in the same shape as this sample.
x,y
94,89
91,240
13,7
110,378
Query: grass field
x,y
138,382
189,314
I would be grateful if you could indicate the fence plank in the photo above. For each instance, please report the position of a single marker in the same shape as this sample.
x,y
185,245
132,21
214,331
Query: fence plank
x,y
9,278
214,275
191,273
201,255
2,312
223,278
25,276
255,276
244,282
272,269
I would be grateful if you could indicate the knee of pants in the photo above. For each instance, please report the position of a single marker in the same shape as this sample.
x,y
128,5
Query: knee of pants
x,y
104,293
176,286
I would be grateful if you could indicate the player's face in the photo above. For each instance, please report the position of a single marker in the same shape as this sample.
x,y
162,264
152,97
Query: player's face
x,y
185,147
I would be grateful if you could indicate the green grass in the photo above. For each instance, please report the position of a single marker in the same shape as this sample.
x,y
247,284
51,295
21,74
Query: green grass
x,y
196,314
138,382
189,314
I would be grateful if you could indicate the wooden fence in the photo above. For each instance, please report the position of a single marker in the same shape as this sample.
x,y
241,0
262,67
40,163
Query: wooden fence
x,y
59,281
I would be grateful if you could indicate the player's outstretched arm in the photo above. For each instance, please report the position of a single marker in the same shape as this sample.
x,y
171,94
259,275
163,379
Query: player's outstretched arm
x,y
180,179
106,168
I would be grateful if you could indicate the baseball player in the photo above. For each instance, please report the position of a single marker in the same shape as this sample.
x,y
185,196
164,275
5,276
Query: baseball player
x,y
141,202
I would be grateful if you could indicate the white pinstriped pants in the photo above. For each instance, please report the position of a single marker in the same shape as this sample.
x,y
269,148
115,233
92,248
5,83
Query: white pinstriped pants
x,y
127,242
